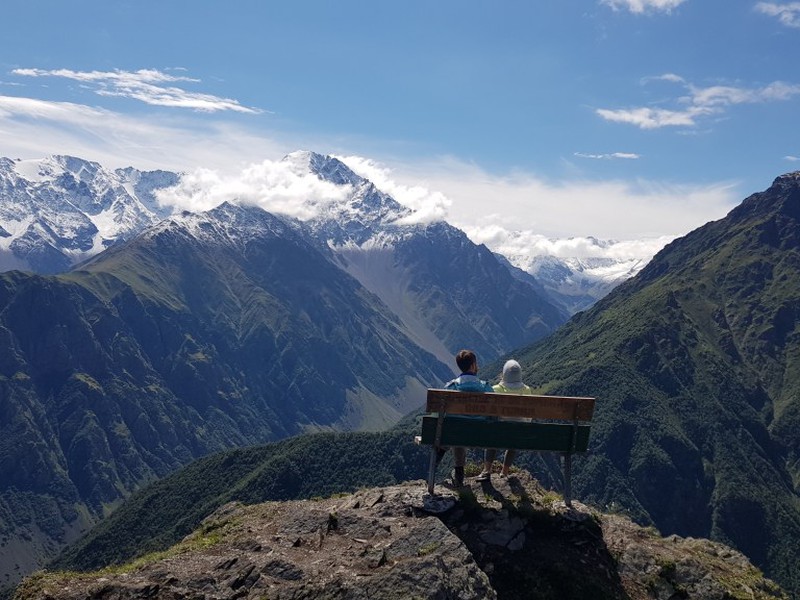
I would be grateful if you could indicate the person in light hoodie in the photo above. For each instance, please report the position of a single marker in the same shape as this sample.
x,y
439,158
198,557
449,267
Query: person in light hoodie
x,y
510,383
468,381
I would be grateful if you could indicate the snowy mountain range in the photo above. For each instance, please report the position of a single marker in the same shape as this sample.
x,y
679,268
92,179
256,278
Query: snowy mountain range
x,y
58,211
577,283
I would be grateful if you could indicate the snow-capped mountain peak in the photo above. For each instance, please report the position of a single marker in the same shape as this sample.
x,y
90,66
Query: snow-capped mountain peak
x,y
323,166
61,209
362,212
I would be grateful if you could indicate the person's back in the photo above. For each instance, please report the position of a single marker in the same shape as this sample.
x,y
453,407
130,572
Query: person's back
x,y
523,390
468,381
511,383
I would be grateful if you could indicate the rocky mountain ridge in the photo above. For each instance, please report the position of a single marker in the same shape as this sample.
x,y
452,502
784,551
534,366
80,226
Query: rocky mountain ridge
x,y
504,539
60,210
57,211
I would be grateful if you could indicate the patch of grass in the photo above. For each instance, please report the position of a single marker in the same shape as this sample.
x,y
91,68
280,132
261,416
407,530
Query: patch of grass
x,y
740,585
428,548
550,498
471,469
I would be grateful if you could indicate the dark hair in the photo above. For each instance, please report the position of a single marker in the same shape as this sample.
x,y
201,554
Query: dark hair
x,y
465,359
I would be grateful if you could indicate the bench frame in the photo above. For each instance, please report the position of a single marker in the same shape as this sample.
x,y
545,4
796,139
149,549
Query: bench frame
x,y
566,437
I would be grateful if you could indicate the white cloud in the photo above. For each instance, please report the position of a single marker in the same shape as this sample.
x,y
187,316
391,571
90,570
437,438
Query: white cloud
x,y
721,95
699,102
517,215
521,246
621,210
436,188
427,205
285,187
276,186
31,128
654,118
610,156
642,6
665,77
791,158
788,14
145,85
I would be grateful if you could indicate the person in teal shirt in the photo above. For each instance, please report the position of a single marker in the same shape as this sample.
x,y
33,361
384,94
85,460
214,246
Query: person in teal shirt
x,y
468,381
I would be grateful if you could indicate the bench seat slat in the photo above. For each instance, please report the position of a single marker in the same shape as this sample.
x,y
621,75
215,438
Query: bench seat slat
x,y
473,432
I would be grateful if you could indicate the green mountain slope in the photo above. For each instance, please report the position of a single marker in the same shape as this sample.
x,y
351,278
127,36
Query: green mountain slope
x,y
210,332
695,366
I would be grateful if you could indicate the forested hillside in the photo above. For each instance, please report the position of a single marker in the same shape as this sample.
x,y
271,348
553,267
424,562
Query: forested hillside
x,y
695,366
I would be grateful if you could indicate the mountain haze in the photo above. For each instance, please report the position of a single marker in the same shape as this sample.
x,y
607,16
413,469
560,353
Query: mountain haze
x,y
694,364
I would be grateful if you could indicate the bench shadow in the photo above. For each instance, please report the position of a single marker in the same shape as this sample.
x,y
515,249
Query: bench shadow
x,y
555,554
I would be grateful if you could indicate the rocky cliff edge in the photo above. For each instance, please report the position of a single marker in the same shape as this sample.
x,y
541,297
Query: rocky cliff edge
x,y
507,538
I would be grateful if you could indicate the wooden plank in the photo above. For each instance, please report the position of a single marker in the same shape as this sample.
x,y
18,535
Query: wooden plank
x,y
566,408
476,432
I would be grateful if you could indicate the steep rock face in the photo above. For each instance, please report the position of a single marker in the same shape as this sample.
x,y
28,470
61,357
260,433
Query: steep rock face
x,y
432,276
693,363
508,541
467,297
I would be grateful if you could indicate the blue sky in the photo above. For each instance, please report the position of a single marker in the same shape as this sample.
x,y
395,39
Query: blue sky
x,y
624,119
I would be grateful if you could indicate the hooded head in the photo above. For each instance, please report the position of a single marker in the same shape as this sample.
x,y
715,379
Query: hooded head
x,y
512,374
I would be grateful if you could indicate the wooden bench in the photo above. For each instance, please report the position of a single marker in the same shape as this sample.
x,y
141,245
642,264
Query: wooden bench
x,y
469,419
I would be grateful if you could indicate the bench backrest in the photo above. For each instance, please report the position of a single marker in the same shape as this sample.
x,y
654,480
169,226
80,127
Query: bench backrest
x,y
461,428
469,419
563,408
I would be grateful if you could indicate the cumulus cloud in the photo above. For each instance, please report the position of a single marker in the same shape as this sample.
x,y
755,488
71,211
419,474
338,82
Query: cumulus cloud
x,y
610,209
642,6
146,85
522,246
276,186
698,102
286,187
610,156
787,14
427,205
519,216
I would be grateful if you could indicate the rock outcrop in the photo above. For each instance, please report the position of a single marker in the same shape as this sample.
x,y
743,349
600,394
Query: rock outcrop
x,y
503,539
